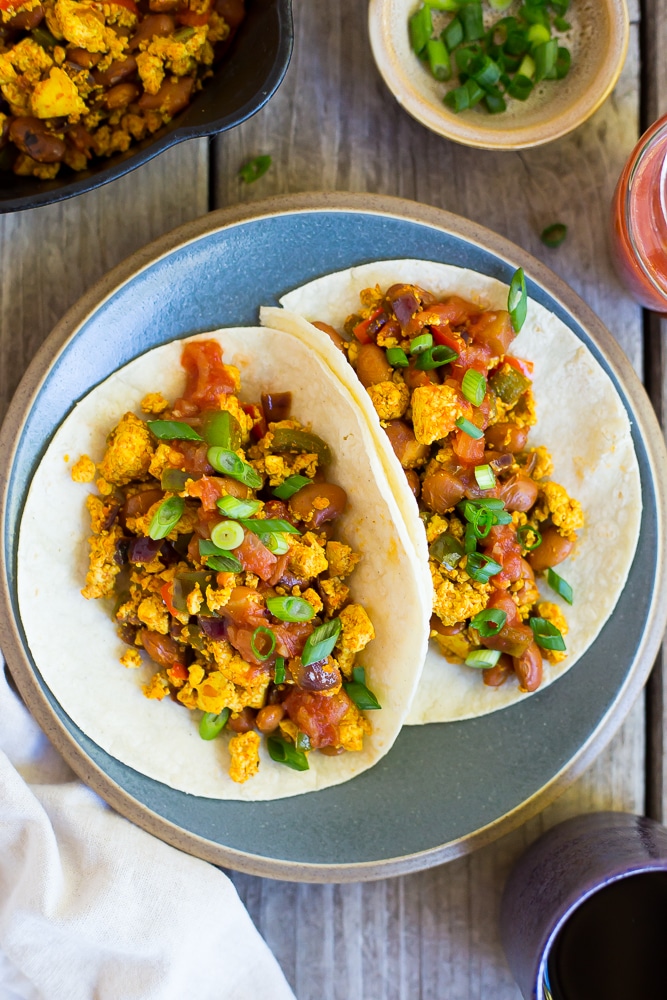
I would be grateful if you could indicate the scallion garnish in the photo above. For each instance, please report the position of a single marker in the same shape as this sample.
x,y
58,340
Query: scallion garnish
x,y
481,568
302,741
279,670
320,642
260,632
290,609
420,26
473,387
285,753
166,517
397,357
523,533
482,658
172,430
434,357
211,725
546,634
227,535
233,507
561,586
517,299
438,59
469,428
554,235
229,463
275,543
489,622
356,689
254,169
470,539
224,564
268,525
421,343
482,522
290,486
484,477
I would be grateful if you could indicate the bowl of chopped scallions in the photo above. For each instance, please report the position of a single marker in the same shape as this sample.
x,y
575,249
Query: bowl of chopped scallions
x,y
499,74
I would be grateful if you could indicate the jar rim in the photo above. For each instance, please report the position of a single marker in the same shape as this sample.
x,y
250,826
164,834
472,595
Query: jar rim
x,y
652,137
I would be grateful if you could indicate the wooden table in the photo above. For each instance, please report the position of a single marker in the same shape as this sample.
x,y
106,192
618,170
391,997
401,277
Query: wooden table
x,y
334,126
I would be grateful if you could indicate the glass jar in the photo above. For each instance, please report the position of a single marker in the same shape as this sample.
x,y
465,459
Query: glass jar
x,y
639,220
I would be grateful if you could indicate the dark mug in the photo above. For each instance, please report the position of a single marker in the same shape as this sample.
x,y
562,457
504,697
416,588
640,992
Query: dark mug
x,y
584,911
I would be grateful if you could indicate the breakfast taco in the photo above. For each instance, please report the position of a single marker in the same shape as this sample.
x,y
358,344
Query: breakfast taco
x,y
500,449
245,619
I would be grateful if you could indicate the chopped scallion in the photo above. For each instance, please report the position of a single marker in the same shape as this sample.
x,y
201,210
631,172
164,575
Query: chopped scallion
x,y
254,169
489,622
482,658
290,486
473,387
470,429
397,357
554,235
290,609
434,357
485,477
546,634
561,586
261,632
279,670
481,568
517,300
227,535
421,343
173,430
320,642
166,517
229,463
285,753
211,725
233,507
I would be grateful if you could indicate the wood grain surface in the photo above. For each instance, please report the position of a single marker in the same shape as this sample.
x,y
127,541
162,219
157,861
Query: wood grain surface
x,y
334,126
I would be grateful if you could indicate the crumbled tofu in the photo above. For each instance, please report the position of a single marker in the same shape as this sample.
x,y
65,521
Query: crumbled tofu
x,y
244,751
165,457
435,410
566,514
355,634
153,613
194,600
83,470
543,464
57,97
553,614
157,688
132,658
216,598
313,599
456,596
351,729
390,399
454,647
335,595
154,402
129,452
103,569
341,559
306,556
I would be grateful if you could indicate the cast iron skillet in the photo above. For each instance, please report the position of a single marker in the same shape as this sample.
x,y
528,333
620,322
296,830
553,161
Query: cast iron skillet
x,y
249,75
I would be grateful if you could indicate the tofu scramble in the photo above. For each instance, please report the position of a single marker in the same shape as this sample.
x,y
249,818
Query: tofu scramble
x,y
457,408
81,79
212,532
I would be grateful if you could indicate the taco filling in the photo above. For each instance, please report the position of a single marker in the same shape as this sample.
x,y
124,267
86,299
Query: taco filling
x,y
214,532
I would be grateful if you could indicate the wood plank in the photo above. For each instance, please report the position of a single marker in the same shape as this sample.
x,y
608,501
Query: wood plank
x,y
50,256
334,126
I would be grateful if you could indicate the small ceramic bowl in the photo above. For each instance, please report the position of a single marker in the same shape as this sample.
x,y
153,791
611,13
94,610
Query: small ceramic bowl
x,y
242,83
598,42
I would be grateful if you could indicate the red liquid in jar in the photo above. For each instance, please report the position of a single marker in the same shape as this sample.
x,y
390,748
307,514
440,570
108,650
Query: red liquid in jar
x,y
639,220
614,946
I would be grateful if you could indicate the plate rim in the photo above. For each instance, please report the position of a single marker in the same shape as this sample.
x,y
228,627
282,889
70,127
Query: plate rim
x,y
647,426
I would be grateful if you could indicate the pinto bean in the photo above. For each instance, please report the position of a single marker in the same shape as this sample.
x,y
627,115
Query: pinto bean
x,y
407,449
372,365
330,332
155,25
121,95
244,722
302,504
528,668
495,676
441,490
518,493
165,6
164,650
118,71
26,20
172,97
413,482
552,550
507,436
82,57
268,718
31,136
233,11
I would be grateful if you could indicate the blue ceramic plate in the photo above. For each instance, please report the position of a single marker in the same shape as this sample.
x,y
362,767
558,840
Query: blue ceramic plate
x,y
484,775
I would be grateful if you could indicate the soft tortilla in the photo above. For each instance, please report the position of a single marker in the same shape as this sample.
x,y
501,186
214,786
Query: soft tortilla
x,y
73,641
594,459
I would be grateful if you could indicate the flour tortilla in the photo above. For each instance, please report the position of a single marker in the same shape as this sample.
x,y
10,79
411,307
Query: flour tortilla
x,y
594,459
74,643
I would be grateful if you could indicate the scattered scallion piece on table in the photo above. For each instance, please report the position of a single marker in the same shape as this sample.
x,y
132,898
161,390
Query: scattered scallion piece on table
x,y
552,236
254,169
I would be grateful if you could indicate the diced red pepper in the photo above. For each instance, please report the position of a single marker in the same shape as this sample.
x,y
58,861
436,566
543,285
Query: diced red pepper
x,y
259,425
178,671
255,557
167,595
468,449
361,330
8,4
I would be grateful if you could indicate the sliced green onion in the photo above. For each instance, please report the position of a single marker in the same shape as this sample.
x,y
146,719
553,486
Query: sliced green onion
x,y
517,300
420,26
546,634
174,479
221,429
166,517
290,486
434,357
453,34
489,622
211,725
397,357
520,88
173,430
517,43
320,642
421,343
229,463
537,34
233,507
438,59
470,539
482,522
470,509
254,169
473,387
224,564
284,753
560,24
470,429
227,535
527,68
260,631
450,5
523,532
495,103
446,550
276,544
481,568
472,21
561,586
485,477
482,658
464,97
563,60
268,525
360,694
545,60
290,609
554,235
279,670
485,71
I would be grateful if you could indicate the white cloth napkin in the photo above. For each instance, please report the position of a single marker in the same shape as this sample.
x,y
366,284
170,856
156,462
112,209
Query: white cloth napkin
x,y
93,908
